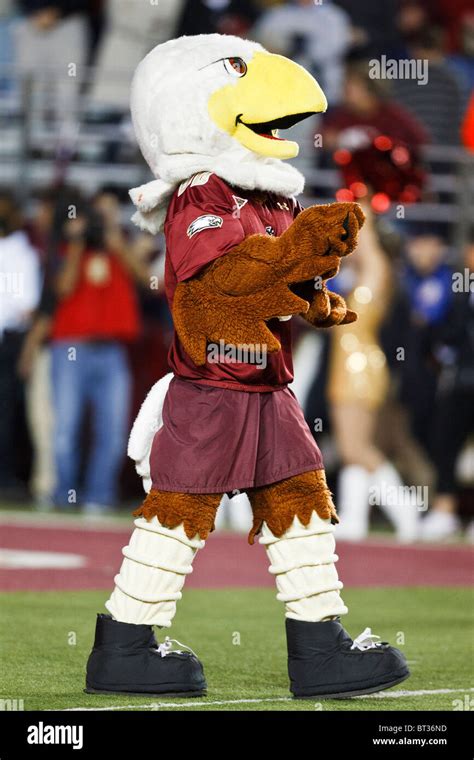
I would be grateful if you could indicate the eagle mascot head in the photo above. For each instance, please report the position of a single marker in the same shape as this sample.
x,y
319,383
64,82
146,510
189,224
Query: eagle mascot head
x,y
215,103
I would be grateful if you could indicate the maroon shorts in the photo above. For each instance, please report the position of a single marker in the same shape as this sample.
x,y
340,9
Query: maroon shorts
x,y
216,440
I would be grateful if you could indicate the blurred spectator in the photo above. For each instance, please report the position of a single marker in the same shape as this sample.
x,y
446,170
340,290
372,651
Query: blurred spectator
x,y
222,16
157,327
427,282
367,103
20,290
44,228
455,17
358,386
34,367
450,14
147,354
46,231
316,36
130,32
51,50
41,219
462,63
7,15
438,103
454,419
427,277
413,17
374,26
97,315
97,22
107,203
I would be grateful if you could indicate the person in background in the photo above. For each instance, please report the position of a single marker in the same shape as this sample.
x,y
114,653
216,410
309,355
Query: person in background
x,y
427,283
438,103
374,27
221,16
462,63
96,316
51,43
45,230
367,103
127,36
7,57
412,17
454,414
20,286
450,15
34,368
315,36
148,353
41,218
107,204
357,387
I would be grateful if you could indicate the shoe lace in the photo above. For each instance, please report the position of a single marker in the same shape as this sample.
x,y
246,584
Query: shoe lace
x,y
366,640
167,645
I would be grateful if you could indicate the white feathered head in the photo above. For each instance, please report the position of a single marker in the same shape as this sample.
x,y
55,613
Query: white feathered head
x,y
214,103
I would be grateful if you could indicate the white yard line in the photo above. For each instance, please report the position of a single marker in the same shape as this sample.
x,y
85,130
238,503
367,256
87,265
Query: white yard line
x,y
406,693
196,703
15,559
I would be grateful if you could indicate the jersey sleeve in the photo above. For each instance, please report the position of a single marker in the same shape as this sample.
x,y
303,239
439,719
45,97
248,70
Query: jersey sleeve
x,y
203,227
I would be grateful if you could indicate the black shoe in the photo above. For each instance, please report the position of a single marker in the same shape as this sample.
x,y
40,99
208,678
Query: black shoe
x,y
126,660
323,663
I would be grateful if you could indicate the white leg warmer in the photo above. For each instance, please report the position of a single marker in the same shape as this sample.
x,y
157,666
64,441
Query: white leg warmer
x,y
302,560
156,563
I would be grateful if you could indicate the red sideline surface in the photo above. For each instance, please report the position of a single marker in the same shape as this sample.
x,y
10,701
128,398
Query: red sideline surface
x,y
226,561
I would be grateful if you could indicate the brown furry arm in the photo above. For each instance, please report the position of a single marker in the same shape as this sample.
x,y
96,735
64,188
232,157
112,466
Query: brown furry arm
x,y
235,295
203,313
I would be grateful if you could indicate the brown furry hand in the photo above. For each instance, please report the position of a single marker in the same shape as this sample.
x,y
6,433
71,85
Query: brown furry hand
x,y
342,222
320,232
328,309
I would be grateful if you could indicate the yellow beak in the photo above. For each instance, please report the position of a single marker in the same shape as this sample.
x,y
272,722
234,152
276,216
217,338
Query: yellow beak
x,y
274,93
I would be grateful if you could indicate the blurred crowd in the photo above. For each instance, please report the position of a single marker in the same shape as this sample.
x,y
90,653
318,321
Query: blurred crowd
x,y
389,398
87,49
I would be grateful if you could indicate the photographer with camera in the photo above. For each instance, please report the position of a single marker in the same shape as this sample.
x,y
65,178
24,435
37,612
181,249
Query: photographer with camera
x,y
96,316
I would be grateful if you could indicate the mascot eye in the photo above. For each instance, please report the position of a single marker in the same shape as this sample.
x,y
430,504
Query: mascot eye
x,y
235,66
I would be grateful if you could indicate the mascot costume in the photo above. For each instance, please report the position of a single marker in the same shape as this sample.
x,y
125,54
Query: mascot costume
x,y
242,257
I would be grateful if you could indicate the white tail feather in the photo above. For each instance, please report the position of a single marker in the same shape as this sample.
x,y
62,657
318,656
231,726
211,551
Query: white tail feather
x,y
149,420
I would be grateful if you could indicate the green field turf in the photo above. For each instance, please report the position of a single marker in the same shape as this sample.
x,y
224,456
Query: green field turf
x,y
45,638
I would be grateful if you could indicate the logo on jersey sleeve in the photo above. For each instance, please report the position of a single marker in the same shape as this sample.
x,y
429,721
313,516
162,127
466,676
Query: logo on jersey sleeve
x,y
205,222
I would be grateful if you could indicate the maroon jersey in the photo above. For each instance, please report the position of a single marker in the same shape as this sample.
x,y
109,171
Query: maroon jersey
x,y
206,218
